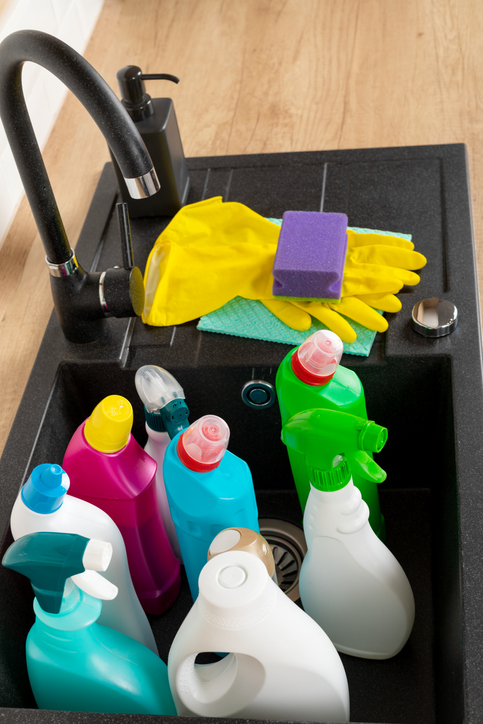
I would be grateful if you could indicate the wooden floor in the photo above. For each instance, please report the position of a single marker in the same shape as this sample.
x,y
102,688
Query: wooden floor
x,y
257,76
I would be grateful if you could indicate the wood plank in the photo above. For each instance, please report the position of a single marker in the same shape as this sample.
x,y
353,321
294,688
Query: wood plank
x,y
256,76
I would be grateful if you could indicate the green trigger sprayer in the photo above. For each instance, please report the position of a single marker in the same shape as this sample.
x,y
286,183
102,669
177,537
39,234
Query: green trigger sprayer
x,y
350,583
312,378
334,444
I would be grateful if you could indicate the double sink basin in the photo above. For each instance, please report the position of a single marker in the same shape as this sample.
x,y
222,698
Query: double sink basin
x,y
427,392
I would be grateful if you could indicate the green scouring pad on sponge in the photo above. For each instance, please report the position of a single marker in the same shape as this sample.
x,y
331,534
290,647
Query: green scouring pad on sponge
x,y
310,257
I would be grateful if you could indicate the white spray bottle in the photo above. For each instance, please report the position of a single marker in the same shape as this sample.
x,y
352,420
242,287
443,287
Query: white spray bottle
x,y
43,505
281,664
166,414
350,582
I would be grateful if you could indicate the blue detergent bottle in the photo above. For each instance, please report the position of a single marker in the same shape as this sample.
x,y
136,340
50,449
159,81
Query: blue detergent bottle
x,y
74,663
208,489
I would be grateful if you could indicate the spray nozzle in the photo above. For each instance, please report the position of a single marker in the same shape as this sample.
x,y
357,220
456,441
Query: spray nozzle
x,y
335,444
49,559
317,359
165,408
202,446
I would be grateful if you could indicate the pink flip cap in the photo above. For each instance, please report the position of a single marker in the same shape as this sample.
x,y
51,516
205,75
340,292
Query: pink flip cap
x,y
202,446
316,360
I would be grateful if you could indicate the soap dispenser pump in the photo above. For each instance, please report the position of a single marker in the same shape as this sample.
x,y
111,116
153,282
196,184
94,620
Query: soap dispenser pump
x,y
350,582
156,122
74,663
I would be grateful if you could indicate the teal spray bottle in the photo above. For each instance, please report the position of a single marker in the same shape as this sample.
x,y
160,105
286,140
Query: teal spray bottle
x,y
350,582
310,377
74,663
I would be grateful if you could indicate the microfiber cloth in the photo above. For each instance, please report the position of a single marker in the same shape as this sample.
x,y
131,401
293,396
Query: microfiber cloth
x,y
247,318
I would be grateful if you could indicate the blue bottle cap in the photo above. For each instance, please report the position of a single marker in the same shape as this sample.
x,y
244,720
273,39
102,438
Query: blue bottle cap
x,y
45,490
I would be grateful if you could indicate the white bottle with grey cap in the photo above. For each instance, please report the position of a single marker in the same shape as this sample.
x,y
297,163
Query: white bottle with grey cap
x,y
281,664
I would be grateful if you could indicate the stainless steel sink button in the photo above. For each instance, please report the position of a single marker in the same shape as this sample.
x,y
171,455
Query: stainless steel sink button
x,y
434,317
258,393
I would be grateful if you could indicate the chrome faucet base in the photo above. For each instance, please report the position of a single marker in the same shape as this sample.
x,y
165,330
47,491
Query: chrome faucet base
x,y
65,269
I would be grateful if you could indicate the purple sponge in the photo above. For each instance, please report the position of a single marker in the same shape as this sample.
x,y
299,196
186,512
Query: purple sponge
x,y
310,257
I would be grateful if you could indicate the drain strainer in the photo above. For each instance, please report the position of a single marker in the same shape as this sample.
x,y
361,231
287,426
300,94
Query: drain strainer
x,y
287,542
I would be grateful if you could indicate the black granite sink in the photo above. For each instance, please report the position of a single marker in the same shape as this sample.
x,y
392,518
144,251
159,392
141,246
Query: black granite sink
x,y
428,393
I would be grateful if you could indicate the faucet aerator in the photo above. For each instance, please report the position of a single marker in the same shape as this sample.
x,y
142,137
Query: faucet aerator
x,y
144,186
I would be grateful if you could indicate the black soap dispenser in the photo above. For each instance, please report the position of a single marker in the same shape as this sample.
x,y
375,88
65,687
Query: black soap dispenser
x,y
156,121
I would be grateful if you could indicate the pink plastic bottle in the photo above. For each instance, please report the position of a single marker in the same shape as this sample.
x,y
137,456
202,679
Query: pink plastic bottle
x,y
109,469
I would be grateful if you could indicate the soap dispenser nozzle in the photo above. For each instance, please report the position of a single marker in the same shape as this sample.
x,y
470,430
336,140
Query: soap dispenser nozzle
x,y
133,91
334,444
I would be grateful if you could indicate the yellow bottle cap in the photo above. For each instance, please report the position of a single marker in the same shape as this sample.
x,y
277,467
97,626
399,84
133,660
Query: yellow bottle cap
x,y
108,428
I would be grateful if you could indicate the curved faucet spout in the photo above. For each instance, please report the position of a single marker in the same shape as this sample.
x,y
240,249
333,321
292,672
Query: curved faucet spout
x,y
100,101
77,294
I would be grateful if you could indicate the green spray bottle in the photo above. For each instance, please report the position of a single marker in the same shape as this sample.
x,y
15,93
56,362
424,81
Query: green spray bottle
x,y
350,583
310,377
74,663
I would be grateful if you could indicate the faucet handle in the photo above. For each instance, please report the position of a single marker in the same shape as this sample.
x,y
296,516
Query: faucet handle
x,y
126,238
121,290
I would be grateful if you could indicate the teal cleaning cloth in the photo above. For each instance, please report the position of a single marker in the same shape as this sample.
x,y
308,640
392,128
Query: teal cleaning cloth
x,y
248,318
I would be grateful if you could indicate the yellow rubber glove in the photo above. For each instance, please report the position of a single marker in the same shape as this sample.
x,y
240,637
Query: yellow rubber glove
x,y
212,252
377,262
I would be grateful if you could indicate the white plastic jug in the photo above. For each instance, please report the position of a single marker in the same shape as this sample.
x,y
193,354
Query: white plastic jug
x,y
281,664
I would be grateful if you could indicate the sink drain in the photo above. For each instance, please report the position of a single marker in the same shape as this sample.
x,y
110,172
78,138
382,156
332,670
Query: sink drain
x,y
287,542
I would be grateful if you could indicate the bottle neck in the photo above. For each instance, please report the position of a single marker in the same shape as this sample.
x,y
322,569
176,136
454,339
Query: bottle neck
x,y
157,436
341,513
334,497
77,613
